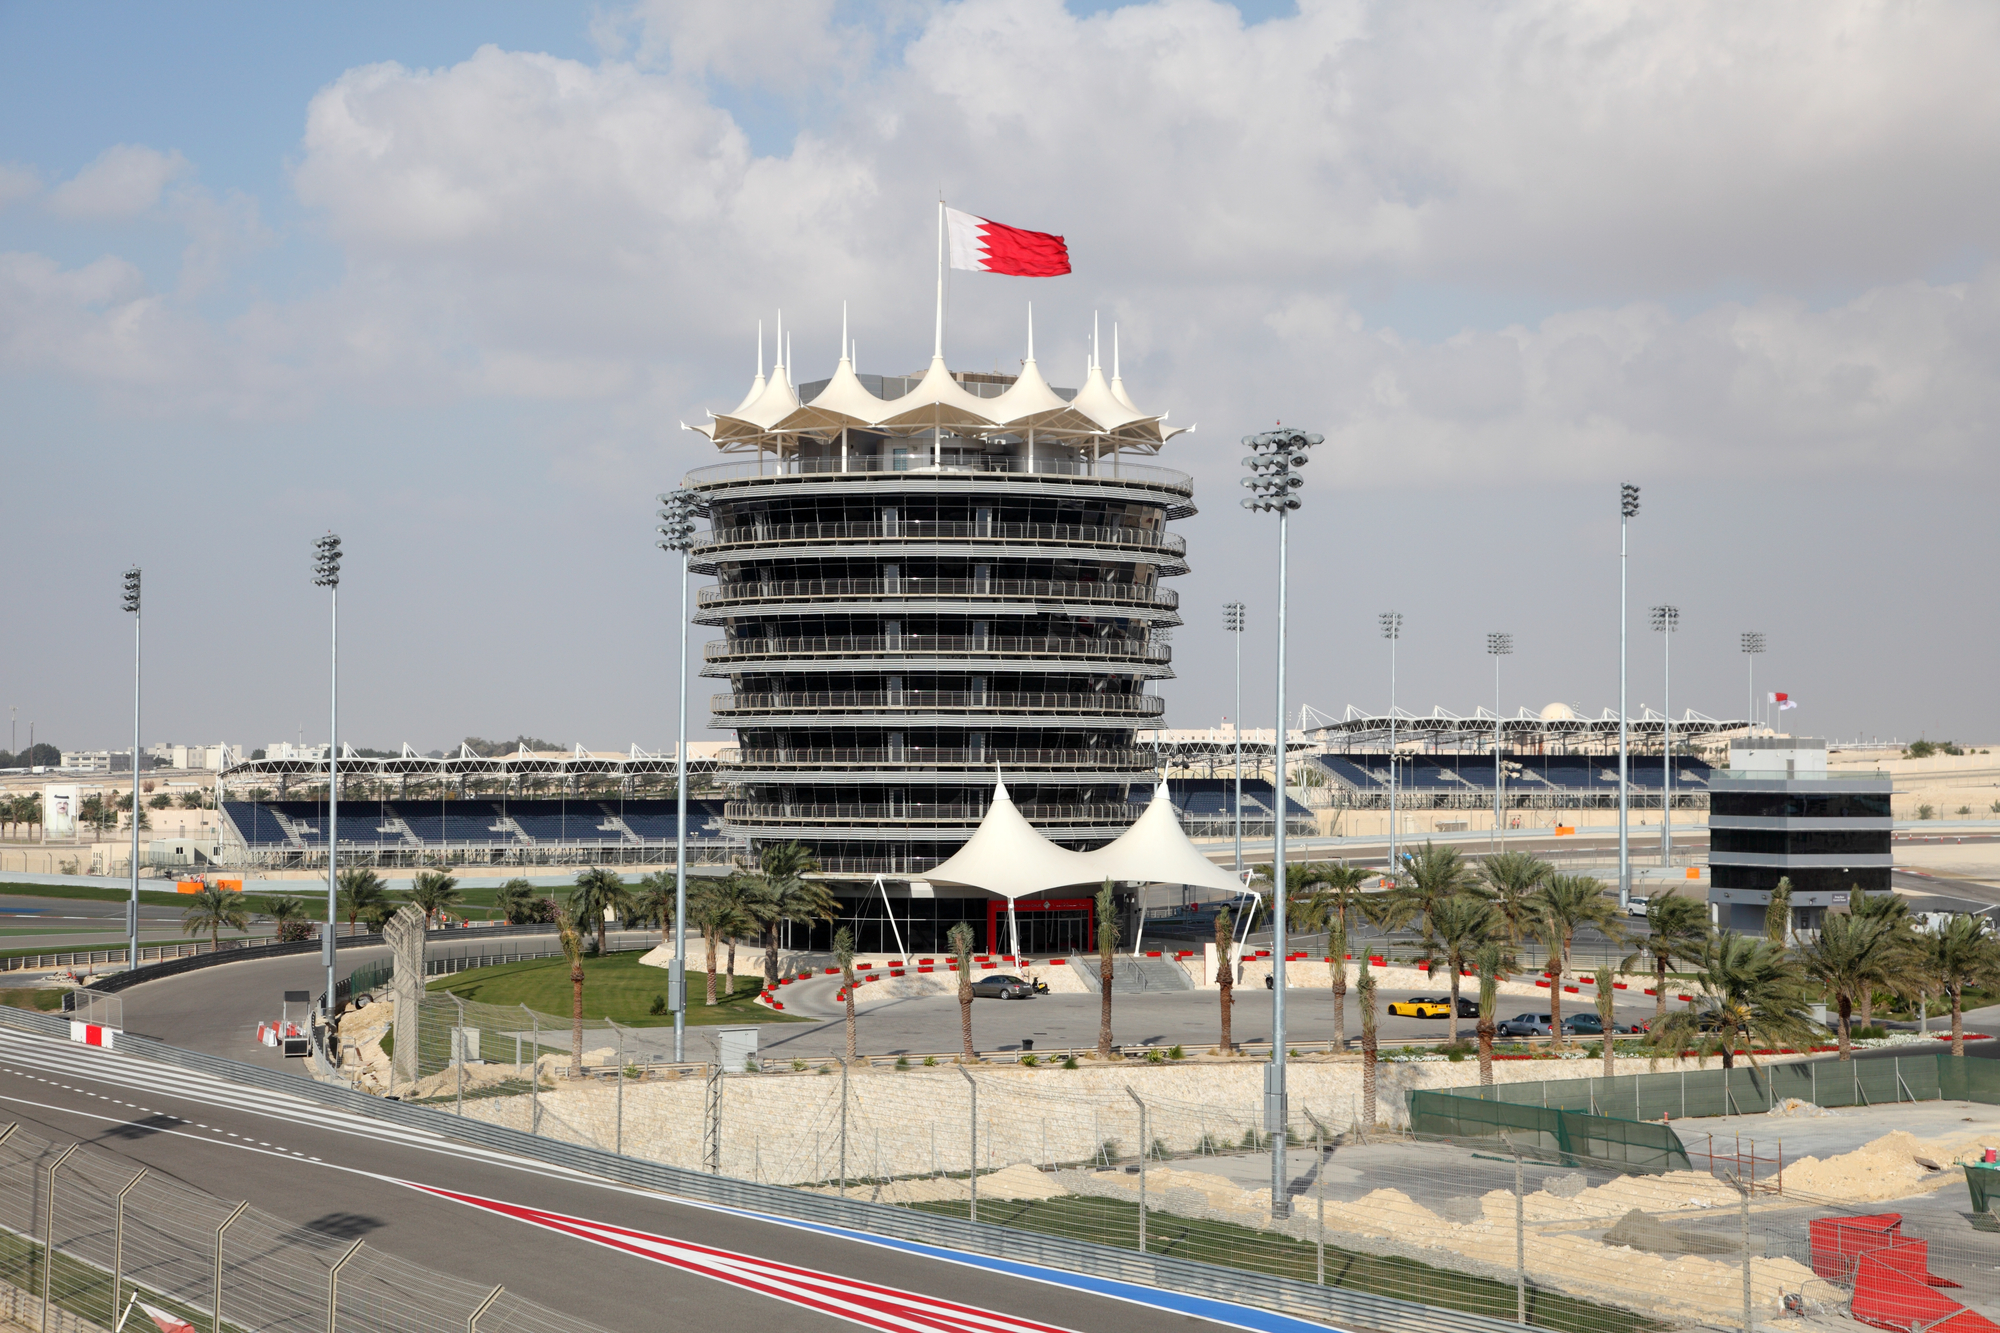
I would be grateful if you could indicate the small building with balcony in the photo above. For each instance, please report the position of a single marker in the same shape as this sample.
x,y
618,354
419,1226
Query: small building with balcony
x,y
1778,812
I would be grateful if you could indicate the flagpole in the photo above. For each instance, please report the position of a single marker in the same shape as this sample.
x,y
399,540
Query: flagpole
x,y
937,350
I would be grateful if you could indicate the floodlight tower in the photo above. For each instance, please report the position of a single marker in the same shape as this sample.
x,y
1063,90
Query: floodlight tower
x,y
1392,630
1666,620
132,904
676,530
1497,646
1232,622
1273,483
1628,508
326,574
1753,644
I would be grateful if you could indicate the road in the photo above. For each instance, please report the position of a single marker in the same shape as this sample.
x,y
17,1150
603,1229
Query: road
x,y
311,1166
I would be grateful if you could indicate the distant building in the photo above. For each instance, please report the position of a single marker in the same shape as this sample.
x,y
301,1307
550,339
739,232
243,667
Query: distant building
x,y
1777,813
97,761
215,758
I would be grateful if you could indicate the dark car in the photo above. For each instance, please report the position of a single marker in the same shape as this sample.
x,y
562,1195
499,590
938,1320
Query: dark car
x,y
1589,1025
1530,1025
1002,986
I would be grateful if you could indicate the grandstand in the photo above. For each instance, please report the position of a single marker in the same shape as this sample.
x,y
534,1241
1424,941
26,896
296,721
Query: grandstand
x,y
1207,808
470,831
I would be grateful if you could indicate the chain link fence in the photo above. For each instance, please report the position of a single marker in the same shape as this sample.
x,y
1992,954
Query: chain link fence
x,y
83,1237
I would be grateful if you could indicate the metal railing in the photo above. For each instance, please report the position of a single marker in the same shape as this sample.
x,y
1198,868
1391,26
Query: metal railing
x,y
1130,705
34,962
751,534
1111,468
912,813
953,644
1122,594
916,756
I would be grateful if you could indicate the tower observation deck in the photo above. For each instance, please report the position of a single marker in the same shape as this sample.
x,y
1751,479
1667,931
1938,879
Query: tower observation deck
x,y
923,579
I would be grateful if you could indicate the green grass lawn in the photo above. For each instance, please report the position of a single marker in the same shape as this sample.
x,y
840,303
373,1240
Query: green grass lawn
x,y
1115,1222
87,893
11,931
614,986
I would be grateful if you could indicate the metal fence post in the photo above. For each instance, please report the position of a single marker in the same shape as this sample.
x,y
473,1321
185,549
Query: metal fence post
x,y
472,1322
1319,1195
1142,1166
534,1072
1749,1324
618,1143
843,1128
216,1324
972,1145
49,1233
118,1242
1520,1246
459,1042
333,1285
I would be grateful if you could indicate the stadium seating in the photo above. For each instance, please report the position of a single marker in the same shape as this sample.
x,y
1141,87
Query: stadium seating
x,y
1466,773
472,821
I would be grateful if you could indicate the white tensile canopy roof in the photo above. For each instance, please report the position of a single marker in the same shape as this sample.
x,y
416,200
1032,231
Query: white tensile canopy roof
x,y
1156,850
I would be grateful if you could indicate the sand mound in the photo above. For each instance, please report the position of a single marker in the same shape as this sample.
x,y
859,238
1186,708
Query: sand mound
x,y
1796,1106
1886,1168
1642,1231
1015,1182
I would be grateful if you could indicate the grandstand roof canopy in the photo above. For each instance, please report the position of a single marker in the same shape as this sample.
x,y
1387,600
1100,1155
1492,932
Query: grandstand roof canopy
x,y
1558,723
579,761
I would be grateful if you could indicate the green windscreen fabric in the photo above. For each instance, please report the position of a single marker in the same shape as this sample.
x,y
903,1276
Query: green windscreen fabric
x,y
1571,1137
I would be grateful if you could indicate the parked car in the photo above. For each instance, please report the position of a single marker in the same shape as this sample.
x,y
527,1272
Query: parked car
x,y
1636,905
1421,1006
1002,986
1531,1025
1589,1025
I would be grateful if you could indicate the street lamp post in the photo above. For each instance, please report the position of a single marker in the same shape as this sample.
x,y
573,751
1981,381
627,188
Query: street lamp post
x,y
1753,644
677,513
326,574
132,904
1392,630
1232,622
1498,646
1666,620
1628,507
1273,483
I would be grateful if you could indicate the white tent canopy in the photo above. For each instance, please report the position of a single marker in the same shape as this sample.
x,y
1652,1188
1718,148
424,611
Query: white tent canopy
x,y
1007,856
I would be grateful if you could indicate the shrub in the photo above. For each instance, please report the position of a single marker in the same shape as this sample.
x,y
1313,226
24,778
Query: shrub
x,y
1031,1059
1068,1063
1926,812
929,1060
1155,1058
798,1064
902,1062
1176,1053
658,1006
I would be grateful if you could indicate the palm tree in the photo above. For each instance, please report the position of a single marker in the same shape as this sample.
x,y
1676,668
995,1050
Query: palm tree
x,y
1462,925
432,893
1225,975
361,891
572,947
1107,950
735,898
718,912
1427,879
1607,1018
212,909
516,900
1327,909
783,893
960,939
1963,953
286,912
598,891
1893,909
1778,913
654,902
1367,997
1747,990
1850,956
1677,928
1563,905
843,958
1511,878
1488,964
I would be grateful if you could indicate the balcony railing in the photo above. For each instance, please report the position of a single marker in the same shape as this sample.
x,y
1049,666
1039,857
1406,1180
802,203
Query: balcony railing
x,y
909,812
915,462
929,529
1124,705
1123,594
923,757
931,644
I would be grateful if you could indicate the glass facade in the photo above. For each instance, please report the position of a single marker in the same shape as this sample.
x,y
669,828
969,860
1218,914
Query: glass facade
x,y
1797,805
1805,879
1800,842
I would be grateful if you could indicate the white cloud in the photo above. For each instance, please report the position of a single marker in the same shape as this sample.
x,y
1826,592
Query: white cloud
x,y
17,182
124,181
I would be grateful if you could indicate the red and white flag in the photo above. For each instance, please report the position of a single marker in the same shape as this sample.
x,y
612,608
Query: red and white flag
x,y
167,1323
1784,701
989,247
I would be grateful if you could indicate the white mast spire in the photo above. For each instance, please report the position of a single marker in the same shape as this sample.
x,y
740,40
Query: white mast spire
x,y
937,349
778,354
843,330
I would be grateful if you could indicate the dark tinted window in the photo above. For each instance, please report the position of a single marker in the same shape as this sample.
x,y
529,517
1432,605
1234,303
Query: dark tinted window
x,y
1798,805
1798,842
1817,879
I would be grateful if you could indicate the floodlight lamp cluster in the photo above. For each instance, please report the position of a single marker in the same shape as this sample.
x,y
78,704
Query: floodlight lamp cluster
x,y
676,529
1628,500
1232,617
1499,645
1753,642
132,590
1666,619
326,562
1274,456
1392,624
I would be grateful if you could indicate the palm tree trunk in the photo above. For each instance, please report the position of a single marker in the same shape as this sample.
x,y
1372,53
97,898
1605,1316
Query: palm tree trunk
x,y
708,936
1846,1015
1225,980
1659,987
850,1019
965,1016
731,991
1340,1004
771,954
1367,1049
1485,1032
576,1022
1454,1005
1957,1020
1867,1006
600,931
1556,1006
1104,1011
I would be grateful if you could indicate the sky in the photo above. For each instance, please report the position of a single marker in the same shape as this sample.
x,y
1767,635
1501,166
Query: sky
x,y
447,278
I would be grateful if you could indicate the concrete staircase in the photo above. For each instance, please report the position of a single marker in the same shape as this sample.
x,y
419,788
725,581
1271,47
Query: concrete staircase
x,y
1135,976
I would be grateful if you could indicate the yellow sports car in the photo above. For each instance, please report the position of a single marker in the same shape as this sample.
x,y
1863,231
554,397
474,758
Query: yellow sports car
x,y
1421,1006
